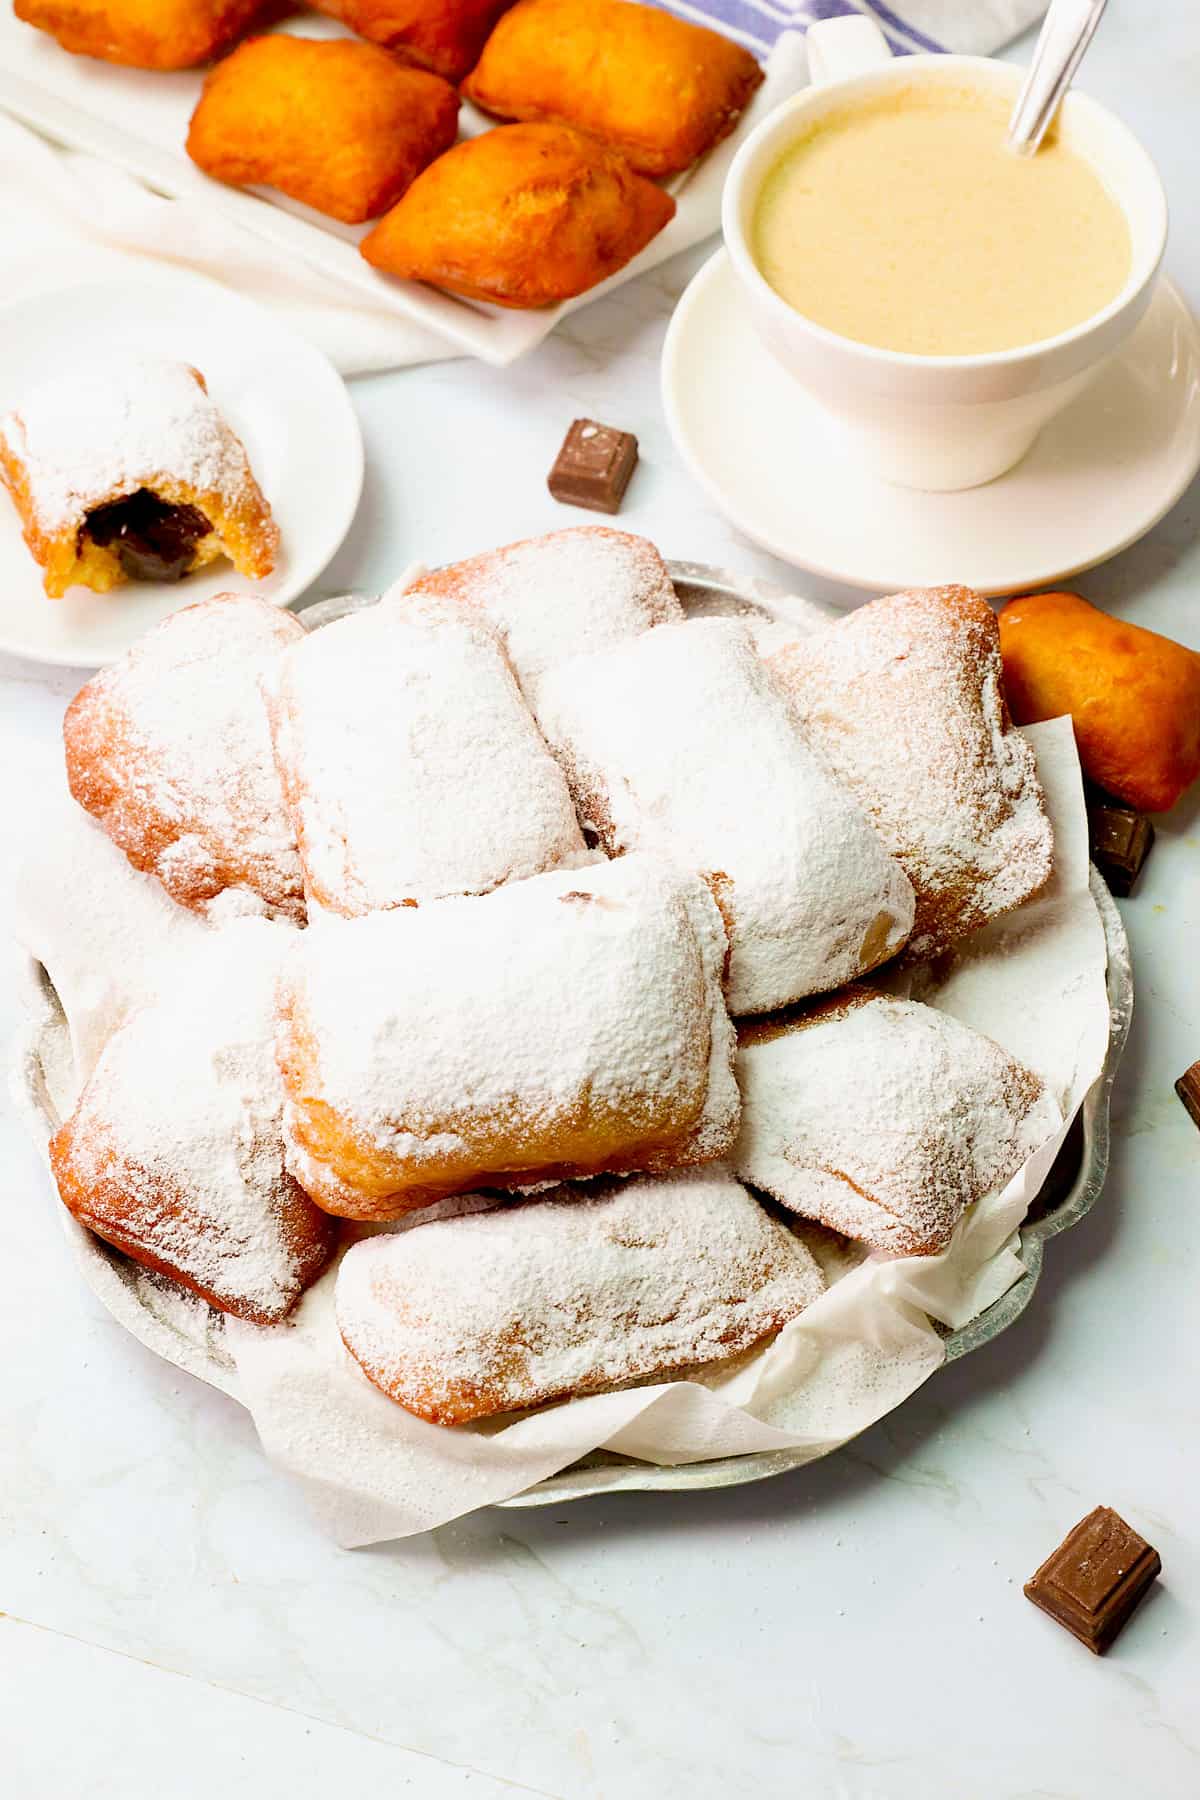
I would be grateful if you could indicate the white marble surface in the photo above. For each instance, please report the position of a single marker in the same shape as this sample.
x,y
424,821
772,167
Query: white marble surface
x,y
174,1620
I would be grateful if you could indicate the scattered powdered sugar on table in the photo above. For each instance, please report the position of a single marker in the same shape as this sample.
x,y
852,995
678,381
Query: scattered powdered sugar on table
x,y
580,1290
680,741
99,432
884,1119
557,596
176,1139
170,748
903,700
412,766
574,1013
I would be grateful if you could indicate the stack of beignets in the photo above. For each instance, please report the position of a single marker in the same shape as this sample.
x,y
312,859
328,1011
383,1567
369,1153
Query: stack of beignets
x,y
482,1007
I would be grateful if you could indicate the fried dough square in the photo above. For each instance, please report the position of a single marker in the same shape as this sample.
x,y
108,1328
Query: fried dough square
x,y
659,90
527,215
341,126
443,35
146,34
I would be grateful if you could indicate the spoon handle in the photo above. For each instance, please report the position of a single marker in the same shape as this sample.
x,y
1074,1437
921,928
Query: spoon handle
x,y
1065,35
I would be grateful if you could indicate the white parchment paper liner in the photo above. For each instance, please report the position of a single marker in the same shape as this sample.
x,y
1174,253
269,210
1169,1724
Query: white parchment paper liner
x,y
1034,981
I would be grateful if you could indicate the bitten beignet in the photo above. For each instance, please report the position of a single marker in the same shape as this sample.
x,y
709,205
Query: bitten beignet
x,y
556,596
146,34
884,1119
679,741
569,1294
443,35
125,470
904,701
170,750
173,1153
526,215
659,90
339,125
567,1025
411,766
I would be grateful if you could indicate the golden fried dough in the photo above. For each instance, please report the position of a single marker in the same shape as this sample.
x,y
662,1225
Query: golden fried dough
x,y
659,90
148,34
524,216
443,35
342,126
1134,697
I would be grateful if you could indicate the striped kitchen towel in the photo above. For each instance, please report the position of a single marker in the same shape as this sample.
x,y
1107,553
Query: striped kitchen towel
x,y
971,27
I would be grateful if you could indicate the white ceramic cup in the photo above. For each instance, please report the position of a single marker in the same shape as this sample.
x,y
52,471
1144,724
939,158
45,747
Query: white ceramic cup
x,y
939,422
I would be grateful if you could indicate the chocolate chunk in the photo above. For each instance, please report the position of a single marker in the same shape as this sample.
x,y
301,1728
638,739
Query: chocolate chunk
x,y
1188,1089
594,466
1096,1577
153,540
1120,841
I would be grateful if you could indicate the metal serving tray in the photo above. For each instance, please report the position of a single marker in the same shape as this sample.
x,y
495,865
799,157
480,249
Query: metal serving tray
x,y
188,1333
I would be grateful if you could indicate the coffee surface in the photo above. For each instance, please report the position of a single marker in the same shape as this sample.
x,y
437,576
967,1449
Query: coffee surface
x,y
904,222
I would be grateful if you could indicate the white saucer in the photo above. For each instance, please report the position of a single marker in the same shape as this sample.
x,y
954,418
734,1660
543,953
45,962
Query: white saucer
x,y
1098,478
284,399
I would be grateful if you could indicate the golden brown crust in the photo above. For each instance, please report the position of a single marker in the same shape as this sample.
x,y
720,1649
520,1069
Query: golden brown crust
x,y
145,34
341,126
1134,696
659,90
443,35
528,215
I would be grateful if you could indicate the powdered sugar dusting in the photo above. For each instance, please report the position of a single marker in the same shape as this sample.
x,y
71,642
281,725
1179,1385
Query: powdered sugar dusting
x,y
679,741
562,1025
885,1119
575,1292
170,750
101,431
175,1150
904,702
411,764
557,596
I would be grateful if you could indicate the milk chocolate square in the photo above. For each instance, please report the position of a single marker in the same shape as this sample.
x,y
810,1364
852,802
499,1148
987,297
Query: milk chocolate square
x,y
1188,1089
1095,1579
1121,840
594,466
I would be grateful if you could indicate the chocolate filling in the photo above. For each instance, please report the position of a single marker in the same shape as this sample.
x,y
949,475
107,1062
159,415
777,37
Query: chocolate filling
x,y
153,540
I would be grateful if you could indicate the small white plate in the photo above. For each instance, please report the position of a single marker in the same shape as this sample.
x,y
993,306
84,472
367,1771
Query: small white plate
x,y
284,399
1098,478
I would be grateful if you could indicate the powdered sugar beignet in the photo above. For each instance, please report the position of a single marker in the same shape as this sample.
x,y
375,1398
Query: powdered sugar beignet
x,y
170,750
679,741
411,765
884,1119
557,596
124,469
174,1154
561,1026
904,701
568,1294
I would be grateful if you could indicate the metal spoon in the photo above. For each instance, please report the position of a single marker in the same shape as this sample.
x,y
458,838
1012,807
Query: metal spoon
x,y
1065,35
